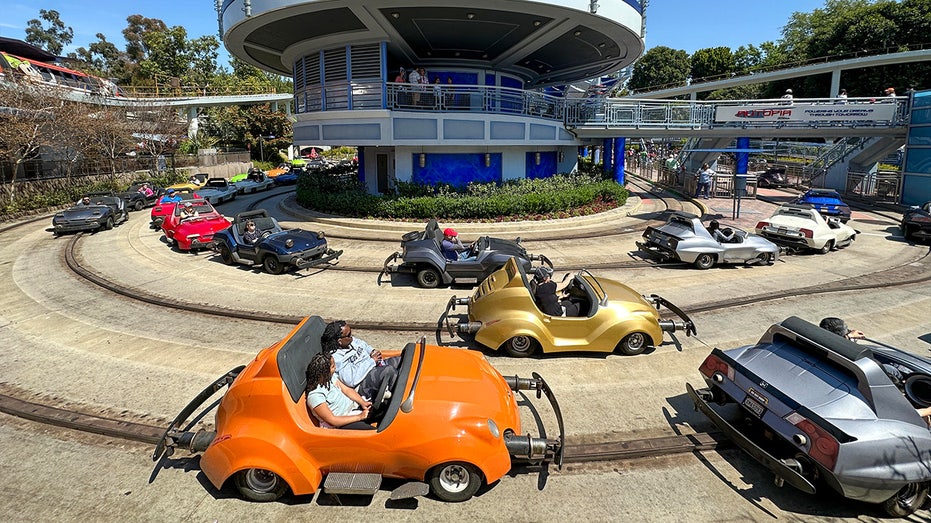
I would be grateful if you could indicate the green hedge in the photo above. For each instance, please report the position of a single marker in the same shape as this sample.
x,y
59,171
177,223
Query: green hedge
x,y
558,196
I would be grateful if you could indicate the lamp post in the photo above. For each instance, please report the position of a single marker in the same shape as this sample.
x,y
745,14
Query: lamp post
x,y
262,146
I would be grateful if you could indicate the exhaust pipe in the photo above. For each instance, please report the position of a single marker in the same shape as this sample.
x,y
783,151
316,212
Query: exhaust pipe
x,y
193,442
526,447
676,325
469,327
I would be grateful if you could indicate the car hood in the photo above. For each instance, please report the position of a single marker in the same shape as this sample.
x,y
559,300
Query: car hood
x,y
812,382
619,293
202,225
507,247
214,190
83,213
303,240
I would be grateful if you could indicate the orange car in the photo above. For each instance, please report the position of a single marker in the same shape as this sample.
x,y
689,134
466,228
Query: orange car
x,y
451,425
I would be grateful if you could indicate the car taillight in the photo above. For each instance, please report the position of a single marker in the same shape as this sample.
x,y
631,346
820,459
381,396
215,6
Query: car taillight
x,y
713,364
822,447
922,219
760,225
808,233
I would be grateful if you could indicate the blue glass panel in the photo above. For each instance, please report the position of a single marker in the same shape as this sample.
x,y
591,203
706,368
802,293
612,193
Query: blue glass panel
x,y
918,161
921,116
919,136
456,169
921,99
547,165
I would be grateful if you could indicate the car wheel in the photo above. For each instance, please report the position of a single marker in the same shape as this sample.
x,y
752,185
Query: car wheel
x,y
455,482
704,261
908,231
225,255
828,247
907,500
139,205
633,344
521,346
413,235
109,224
260,485
272,265
428,278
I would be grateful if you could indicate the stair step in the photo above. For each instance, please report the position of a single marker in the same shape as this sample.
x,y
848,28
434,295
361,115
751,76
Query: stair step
x,y
410,490
352,483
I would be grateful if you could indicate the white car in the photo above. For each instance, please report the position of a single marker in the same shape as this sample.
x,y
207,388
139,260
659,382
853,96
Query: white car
x,y
218,190
255,181
801,226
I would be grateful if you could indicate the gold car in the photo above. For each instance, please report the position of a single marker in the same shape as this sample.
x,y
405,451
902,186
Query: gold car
x,y
612,316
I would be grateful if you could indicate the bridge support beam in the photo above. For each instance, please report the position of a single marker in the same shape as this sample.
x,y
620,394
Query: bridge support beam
x,y
608,149
619,160
835,83
742,158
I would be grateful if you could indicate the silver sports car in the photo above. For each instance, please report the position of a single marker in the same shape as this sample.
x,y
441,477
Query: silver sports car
x,y
818,409
684,238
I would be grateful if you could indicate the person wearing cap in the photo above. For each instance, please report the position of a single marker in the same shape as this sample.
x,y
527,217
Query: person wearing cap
x,y
188,211
171,195
452,247
890,92
787,96
549,296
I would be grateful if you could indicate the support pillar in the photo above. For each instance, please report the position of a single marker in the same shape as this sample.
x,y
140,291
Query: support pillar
x,y
619,144
835,83
608,148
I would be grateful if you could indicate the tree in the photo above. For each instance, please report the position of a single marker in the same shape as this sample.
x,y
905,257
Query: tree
x,y
103,58
29,121
660,67
137,27
712,62
53,38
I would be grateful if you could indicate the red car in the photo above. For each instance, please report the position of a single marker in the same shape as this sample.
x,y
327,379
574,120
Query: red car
x,y
194,231
165,205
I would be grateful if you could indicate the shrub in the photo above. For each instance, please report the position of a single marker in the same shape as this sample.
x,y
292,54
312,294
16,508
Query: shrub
x,y
556,196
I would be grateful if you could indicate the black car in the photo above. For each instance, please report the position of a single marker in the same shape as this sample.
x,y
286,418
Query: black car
x,y
92,213
137,200
278,250
421,254
916,223
772,177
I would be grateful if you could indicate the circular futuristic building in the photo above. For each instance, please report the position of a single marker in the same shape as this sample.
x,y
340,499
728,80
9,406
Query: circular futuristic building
x,y
432,91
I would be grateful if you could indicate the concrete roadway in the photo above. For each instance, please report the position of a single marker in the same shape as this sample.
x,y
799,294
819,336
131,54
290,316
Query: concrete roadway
x,y
66,342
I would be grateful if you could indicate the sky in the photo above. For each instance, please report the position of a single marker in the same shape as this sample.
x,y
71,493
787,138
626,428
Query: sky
x,y
680,24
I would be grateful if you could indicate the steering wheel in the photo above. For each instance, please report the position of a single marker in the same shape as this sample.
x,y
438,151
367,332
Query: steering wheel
x,y
266,234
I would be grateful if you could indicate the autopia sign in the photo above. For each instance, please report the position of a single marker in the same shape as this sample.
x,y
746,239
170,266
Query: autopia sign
x,y
806,112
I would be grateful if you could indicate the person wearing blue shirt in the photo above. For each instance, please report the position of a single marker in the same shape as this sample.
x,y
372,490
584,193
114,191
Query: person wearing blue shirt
x,y
358,365
171,196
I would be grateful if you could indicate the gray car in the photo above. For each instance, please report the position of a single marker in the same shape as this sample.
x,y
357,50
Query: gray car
x,y
684,238
218,190
820,410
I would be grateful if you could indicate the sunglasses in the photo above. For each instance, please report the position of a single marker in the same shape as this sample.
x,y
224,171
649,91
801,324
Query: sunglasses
x,y
342,337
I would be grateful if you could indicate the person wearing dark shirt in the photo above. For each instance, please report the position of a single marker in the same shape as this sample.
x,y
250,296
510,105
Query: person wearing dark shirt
x,y
546,296
252,235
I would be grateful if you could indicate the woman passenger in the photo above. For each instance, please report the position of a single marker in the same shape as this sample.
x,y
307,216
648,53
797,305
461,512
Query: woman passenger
x,y
332,402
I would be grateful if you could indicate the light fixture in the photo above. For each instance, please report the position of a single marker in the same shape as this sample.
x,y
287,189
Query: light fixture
x,y
487,160
456,53
536,158
537,23
470,15
578,33
423,160
396,15
602,44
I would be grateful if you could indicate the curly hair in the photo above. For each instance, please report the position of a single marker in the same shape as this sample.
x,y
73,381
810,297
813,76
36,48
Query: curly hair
x,y
318,371
329,341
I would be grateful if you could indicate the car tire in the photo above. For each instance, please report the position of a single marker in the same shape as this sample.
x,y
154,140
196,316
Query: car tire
x,y
260,485
272,265
521,346
828,247
109,224
428,278
139,205
907,500
413,235
633,344
704,261
455,481
226,256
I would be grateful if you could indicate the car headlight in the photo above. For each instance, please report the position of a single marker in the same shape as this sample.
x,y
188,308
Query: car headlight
x,y
289,243
493,428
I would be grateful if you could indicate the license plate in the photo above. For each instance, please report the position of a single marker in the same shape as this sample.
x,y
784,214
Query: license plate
x,y
754,406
